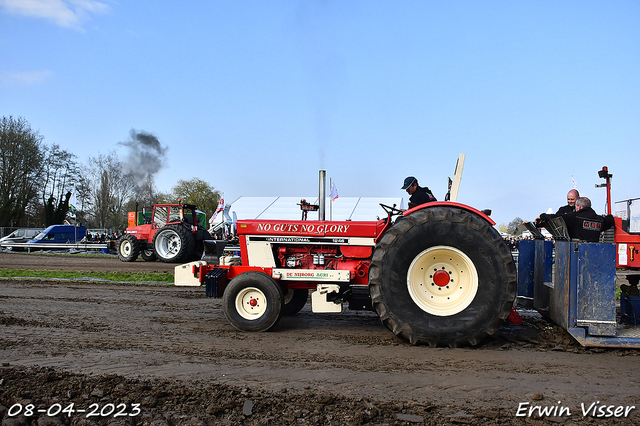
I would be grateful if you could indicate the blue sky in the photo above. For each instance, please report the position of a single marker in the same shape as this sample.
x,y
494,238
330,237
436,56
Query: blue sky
x,y
255,97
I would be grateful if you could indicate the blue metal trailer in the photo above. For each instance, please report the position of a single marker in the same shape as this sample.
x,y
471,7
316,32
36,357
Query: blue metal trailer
x,y
573,284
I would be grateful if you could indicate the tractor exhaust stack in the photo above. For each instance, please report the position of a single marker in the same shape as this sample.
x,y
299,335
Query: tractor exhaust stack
x,y
322,194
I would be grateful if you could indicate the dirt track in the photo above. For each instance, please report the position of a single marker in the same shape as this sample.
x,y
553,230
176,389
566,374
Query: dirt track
x,y
171,350
96,263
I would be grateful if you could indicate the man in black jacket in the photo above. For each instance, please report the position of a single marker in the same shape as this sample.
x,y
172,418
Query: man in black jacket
x,y
572,197
419,195
584,223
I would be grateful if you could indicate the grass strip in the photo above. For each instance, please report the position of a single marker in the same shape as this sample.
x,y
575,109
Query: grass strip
x,y
67,253
110,276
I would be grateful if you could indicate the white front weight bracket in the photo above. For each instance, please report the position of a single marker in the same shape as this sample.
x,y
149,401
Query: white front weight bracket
x,y
319,303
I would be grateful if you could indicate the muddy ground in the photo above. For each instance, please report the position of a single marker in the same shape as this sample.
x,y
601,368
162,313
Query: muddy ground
x,y
165,355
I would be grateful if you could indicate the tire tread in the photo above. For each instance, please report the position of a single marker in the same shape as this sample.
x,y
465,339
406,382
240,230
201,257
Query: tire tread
x,y
451,219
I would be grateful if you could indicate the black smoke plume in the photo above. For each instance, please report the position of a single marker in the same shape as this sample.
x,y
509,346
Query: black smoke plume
x,y
146,155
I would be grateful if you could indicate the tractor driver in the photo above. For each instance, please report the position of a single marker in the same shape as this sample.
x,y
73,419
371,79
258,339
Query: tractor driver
x,y
419,195
572,197
584,223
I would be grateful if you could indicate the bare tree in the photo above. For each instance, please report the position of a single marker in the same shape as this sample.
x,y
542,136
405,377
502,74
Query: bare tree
x,y
145,196
514,225
109,189
60,172
145,158
21,155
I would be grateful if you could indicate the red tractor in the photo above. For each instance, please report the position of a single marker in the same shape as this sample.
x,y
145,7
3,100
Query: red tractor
x,y
173,235
439,274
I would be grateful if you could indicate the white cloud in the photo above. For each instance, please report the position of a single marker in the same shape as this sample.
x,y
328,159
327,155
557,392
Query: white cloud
x,y
65,13
26,78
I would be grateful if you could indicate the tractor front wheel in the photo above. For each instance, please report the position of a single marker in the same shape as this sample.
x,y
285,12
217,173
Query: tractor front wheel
x,y
294,301
253,301
128,248
173,243
148,255
442,276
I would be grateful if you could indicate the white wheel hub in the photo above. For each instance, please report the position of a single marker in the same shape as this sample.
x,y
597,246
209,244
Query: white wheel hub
x,y
168,244
251,303
125,248
442,280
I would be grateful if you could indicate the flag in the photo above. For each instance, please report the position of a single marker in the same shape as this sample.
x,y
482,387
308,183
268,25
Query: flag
x,y
73,202
234,228
334,192
218,210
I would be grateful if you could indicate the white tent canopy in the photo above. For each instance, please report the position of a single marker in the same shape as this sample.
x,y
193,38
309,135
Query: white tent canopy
x,y
287,208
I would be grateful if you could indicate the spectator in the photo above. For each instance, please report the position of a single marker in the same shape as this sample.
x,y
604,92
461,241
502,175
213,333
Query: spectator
x,y
584,223
572,197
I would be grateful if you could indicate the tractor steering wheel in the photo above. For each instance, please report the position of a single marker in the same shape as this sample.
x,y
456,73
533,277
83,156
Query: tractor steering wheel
x,y
391,210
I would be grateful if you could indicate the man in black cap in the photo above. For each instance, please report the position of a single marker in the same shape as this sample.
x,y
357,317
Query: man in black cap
x,y
584,223
419,195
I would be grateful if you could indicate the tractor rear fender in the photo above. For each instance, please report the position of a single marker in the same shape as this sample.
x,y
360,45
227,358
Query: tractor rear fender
x,y
435,204
449,203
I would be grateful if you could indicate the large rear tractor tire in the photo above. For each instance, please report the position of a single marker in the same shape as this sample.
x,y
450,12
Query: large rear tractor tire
x,y
294,301
173,244
128,248
442,276
253,301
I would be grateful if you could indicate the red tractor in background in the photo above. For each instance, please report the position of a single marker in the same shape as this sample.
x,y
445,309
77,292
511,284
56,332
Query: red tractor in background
x,y
627,240
174,234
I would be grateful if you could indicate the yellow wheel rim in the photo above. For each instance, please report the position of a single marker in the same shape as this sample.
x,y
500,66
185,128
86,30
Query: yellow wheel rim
x,y
251,303
442,281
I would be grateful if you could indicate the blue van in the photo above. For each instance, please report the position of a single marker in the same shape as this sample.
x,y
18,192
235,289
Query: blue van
x,y
60,234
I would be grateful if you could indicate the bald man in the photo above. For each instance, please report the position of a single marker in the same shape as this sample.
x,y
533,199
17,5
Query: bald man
x,y
572,197
584,223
